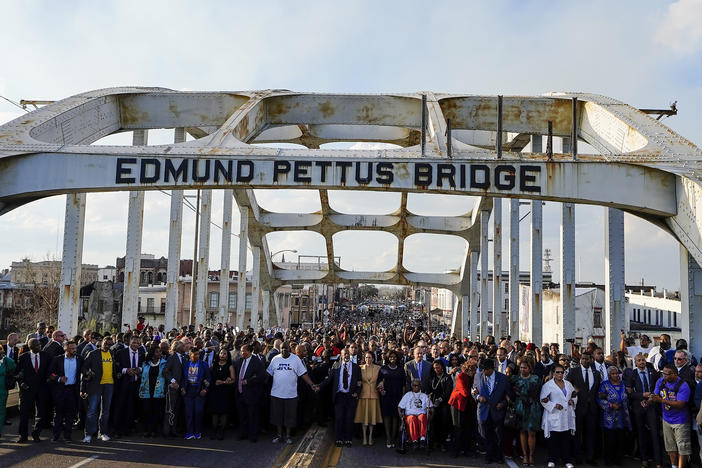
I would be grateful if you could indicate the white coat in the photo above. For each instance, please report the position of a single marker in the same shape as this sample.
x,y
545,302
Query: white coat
x,y
554,419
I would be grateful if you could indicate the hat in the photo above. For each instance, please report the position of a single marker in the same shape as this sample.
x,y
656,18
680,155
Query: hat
x,y
531,346
487,364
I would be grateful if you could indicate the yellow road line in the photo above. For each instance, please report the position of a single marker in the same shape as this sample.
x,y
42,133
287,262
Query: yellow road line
x,y
283,456
334,456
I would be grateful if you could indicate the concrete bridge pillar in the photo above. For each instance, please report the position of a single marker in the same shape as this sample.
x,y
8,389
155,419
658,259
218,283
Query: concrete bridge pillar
x,y
484,254
536,273
175,233
498,316
266,311
203,257
223,315
567,272
132,260
514,268
241,274
74,227
615,313
255,287
691,302
474,319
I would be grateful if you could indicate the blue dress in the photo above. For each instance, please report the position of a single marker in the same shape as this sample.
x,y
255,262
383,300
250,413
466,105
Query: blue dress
x,y
393,383
614,394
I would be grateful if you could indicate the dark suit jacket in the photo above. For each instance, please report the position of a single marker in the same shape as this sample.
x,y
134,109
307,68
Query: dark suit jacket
x,y
587,399
43,340
87,349
687,373
123,358
255,376
15,352
334,376
632,380
173,369
27,375
411,373
56,370
501,389
53,349
94,363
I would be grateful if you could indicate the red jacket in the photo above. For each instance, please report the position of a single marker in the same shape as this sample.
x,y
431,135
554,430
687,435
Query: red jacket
x,y
461,392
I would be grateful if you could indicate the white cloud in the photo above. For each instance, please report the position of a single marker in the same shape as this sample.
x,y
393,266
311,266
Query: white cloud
x,y
681,27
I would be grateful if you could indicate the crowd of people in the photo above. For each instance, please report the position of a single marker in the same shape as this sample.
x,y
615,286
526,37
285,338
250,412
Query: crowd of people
x,y
427,389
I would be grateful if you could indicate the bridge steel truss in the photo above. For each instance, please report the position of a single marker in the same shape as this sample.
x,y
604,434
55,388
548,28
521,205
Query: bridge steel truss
x,y
443,144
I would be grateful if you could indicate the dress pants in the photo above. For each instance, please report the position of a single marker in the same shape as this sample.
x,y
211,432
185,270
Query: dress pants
x,y
32,403
614,440
152,413
586,424
249,414
559,444
65,405
127,399
172,410
646,424
491,432
344,409
194,408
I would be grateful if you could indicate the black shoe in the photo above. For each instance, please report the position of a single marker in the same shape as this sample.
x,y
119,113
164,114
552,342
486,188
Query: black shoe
x,y
56,439
8,423
348,443
22,440
67,439
339,443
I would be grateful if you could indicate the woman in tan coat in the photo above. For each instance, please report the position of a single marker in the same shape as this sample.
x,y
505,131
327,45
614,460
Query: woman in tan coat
x,y
368,409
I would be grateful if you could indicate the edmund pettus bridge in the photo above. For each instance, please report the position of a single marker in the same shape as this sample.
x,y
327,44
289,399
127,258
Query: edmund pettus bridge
x,y
489,147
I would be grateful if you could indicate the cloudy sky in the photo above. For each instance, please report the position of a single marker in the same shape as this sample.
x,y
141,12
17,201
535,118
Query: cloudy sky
x,y
645,53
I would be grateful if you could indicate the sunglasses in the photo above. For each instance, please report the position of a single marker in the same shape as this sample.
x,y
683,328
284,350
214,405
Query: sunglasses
x,y
558,372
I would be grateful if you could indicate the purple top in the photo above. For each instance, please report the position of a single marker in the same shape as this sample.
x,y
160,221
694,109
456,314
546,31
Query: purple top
x,y
666,391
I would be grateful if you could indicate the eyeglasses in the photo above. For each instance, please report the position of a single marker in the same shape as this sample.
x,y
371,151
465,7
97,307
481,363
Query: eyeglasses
x,y
680,358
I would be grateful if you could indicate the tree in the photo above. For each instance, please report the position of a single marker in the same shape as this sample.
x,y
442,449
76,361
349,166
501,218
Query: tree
x,y
367,291
38,293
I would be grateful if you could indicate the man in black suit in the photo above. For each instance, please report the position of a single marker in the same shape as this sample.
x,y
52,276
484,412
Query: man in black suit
x,y
52,349
89,344
640,382
686,370
64,378
420,369
491,390
173,373
249,374
39,335
129,362
11,348
587,383
32,369
502,361
345,380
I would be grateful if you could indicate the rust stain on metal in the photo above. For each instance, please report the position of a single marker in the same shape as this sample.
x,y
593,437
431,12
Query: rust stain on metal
x,y
326,108
131,115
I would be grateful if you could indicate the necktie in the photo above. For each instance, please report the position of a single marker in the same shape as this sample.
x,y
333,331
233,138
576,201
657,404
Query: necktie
x,y
133,359
644,380
36,363
241,376
419,370
346,377
587,379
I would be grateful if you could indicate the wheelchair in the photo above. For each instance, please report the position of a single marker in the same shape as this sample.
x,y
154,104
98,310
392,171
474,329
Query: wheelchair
x,y
404,444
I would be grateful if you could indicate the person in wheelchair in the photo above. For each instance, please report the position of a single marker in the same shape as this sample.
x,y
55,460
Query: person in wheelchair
x,y
415,410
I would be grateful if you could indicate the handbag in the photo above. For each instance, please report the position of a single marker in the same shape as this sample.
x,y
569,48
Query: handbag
x,y
512,419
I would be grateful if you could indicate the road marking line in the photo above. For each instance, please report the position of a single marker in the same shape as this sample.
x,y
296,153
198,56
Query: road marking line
x,y
282,456
84,462
335,456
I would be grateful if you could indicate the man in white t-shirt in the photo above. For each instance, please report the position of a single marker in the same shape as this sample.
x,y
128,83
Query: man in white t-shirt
x,y
633,351
285,368
414,408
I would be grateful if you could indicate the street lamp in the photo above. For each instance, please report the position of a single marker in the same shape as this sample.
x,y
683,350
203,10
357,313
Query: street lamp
x,y
281,251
